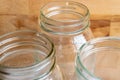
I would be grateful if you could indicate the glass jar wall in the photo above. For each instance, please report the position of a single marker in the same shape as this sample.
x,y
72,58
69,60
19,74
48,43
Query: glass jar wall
x,y
67,24
27,55
99,59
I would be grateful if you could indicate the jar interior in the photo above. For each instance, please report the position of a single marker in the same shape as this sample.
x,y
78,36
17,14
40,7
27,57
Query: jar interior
x,y
64,16
65,10
22,58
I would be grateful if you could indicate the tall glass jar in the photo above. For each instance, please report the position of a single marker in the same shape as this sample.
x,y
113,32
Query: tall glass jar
x,y
67,23
99,59
27,55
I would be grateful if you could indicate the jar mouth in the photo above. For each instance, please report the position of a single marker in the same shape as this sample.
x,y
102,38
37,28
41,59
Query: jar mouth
x,y
24,45
67,3
64,17
92,48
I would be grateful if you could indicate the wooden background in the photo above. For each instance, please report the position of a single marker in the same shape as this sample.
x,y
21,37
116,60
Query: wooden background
x,y
20,14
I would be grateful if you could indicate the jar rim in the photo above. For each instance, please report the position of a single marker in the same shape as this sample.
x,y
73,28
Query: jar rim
x,y
76,3
38,34
53,19
90,42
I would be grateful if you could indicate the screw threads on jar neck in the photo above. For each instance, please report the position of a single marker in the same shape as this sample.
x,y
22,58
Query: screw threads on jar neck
x,y
64,17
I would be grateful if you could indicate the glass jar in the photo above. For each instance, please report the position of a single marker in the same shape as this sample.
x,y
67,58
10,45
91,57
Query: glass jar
x,y
67,23
27,55
99,59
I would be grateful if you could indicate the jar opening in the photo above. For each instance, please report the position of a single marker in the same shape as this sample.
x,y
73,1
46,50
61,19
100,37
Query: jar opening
x,y
97,59
63,7
64,17
23,49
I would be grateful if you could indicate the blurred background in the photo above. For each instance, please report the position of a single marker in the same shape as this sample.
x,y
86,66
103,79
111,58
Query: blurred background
x,y
24,14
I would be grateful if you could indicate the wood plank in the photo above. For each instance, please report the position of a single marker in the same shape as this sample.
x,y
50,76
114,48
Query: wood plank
x,y
14,7
35,6
115,26
100,28
102,7
9,23
115,29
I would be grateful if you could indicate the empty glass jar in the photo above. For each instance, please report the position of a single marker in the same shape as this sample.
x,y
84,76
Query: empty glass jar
x,y
99,59
27,55
67,23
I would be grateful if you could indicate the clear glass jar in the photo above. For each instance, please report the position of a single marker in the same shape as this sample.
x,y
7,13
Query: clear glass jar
x,y
67,23
27,55
99,59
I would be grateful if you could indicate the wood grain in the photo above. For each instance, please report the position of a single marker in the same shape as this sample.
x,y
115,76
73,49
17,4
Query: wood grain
x,y
35,6
14,7
100,28
102,7
115,29
9,23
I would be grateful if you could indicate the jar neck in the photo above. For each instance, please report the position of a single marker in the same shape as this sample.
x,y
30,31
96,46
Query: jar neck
x,y
26,55
64,18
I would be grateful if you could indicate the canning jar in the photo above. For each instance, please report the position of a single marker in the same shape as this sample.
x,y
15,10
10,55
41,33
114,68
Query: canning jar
x,y
99,59
67,24
27,55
